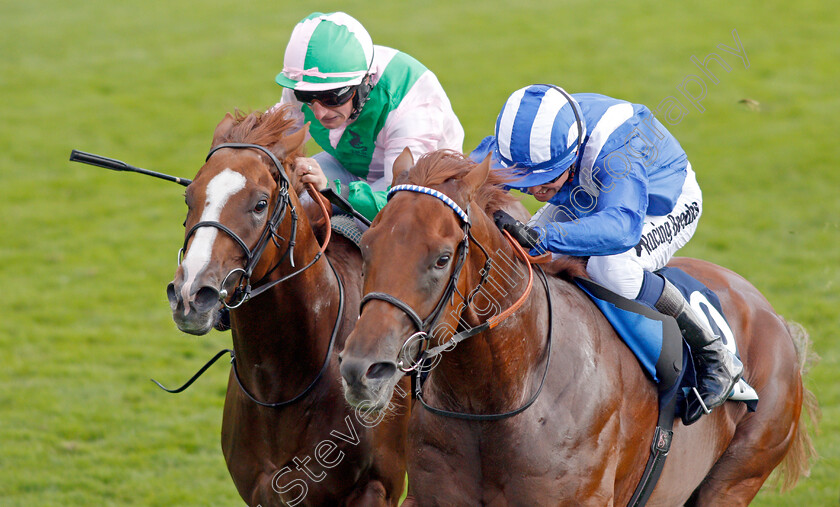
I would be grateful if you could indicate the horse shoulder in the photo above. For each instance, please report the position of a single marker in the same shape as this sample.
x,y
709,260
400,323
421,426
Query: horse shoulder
x,y
613,401
587,336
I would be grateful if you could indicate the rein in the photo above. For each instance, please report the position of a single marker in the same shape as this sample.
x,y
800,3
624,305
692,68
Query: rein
x,y
262,288
244,290
424,326
492,321
504,415
247,393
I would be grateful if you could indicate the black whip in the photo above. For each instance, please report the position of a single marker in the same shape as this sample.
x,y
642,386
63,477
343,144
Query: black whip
x,y
118,165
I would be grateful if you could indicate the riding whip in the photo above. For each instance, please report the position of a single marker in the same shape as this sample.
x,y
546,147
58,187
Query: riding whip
x,y
118,165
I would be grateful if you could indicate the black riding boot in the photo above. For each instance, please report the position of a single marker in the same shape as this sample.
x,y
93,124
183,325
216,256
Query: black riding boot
x,y
718,370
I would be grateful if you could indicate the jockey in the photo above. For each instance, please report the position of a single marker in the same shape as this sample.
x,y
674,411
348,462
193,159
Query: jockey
x,y
619,190
365,103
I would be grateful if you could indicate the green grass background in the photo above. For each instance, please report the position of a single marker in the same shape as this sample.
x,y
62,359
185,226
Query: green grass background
x,y
85,253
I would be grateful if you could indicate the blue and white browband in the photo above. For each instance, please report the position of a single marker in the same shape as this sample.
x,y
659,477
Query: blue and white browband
x,y
434,193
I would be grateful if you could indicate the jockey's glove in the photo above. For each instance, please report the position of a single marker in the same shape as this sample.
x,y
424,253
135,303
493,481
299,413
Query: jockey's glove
x,y
526,236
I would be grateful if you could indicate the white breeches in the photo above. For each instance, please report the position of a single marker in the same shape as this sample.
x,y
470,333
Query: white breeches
x,y
662,236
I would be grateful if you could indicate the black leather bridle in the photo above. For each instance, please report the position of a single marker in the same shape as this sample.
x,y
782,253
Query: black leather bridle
x,y
244,292
425,326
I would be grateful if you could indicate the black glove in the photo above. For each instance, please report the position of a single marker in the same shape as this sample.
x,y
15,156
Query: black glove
x,y
526,236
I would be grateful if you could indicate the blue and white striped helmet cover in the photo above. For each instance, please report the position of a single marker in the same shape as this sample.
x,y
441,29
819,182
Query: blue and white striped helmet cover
x,y
537,129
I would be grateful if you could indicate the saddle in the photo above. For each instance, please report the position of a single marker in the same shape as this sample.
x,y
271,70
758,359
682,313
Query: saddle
x,y
347,226
655,338
345,221
657,343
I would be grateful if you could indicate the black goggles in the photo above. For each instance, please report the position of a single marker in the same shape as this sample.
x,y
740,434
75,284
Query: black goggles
x,y
329,98
570,170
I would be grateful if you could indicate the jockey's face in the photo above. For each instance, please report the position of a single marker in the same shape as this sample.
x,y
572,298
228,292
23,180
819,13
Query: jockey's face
x,y
548,190
332,117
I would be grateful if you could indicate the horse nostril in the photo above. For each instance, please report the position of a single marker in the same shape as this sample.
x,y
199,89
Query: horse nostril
x,y
381,371
206,299
172,295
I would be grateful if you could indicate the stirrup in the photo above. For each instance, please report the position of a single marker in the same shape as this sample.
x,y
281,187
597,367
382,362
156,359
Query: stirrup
x,y
700,399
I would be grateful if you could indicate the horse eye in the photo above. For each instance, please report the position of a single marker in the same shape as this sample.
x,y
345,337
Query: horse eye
x,y
261,206
442,261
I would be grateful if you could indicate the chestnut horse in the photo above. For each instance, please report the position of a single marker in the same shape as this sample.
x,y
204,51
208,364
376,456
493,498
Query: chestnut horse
x,y
288,435
586,437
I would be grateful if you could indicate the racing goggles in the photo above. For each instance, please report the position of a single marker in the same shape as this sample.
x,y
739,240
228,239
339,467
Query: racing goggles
x,y
328,98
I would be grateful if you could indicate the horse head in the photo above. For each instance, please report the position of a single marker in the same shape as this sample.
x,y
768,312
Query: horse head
x,y
416,261
236,208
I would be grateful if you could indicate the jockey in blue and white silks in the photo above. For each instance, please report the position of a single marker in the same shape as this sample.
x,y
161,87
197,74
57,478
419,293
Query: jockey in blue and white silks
x,y
620,191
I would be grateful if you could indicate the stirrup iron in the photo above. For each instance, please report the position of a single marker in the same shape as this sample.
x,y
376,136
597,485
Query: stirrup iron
x,y
700,399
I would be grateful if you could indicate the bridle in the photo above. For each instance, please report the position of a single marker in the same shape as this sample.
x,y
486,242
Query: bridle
x,y
425,326
244,292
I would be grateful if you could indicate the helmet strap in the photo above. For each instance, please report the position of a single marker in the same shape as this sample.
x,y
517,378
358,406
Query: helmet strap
x,y
360,97
579,123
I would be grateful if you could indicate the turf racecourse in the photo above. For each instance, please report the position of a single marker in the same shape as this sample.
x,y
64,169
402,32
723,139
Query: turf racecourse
x,y
86,253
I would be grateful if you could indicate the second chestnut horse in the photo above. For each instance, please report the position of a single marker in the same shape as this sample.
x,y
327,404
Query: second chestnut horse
x,y
587,435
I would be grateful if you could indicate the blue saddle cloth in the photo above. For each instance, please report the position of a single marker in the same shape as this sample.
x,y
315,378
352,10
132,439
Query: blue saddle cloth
x,y
655,338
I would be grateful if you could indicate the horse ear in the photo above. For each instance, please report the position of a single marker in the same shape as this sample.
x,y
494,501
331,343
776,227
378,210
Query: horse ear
x,y
291,143
404,162
223,129
477,176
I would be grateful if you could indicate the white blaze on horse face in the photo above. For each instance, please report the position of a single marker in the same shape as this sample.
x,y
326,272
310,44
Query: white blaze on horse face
x,y
219,190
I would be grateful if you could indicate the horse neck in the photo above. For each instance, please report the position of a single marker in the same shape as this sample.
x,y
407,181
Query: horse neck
x,y
500,360
282,336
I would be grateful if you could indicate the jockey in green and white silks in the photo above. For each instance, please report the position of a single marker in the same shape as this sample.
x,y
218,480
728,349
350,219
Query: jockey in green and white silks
x,y
396,103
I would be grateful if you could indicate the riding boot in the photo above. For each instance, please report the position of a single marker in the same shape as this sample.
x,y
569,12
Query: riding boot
x,y
718,370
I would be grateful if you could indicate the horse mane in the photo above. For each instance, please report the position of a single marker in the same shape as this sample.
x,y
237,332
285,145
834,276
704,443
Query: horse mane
x,y
262,128
436,167
567,267
266,129
439,166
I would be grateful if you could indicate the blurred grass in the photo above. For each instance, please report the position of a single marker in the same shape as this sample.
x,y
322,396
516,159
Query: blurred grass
x,y
86,253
